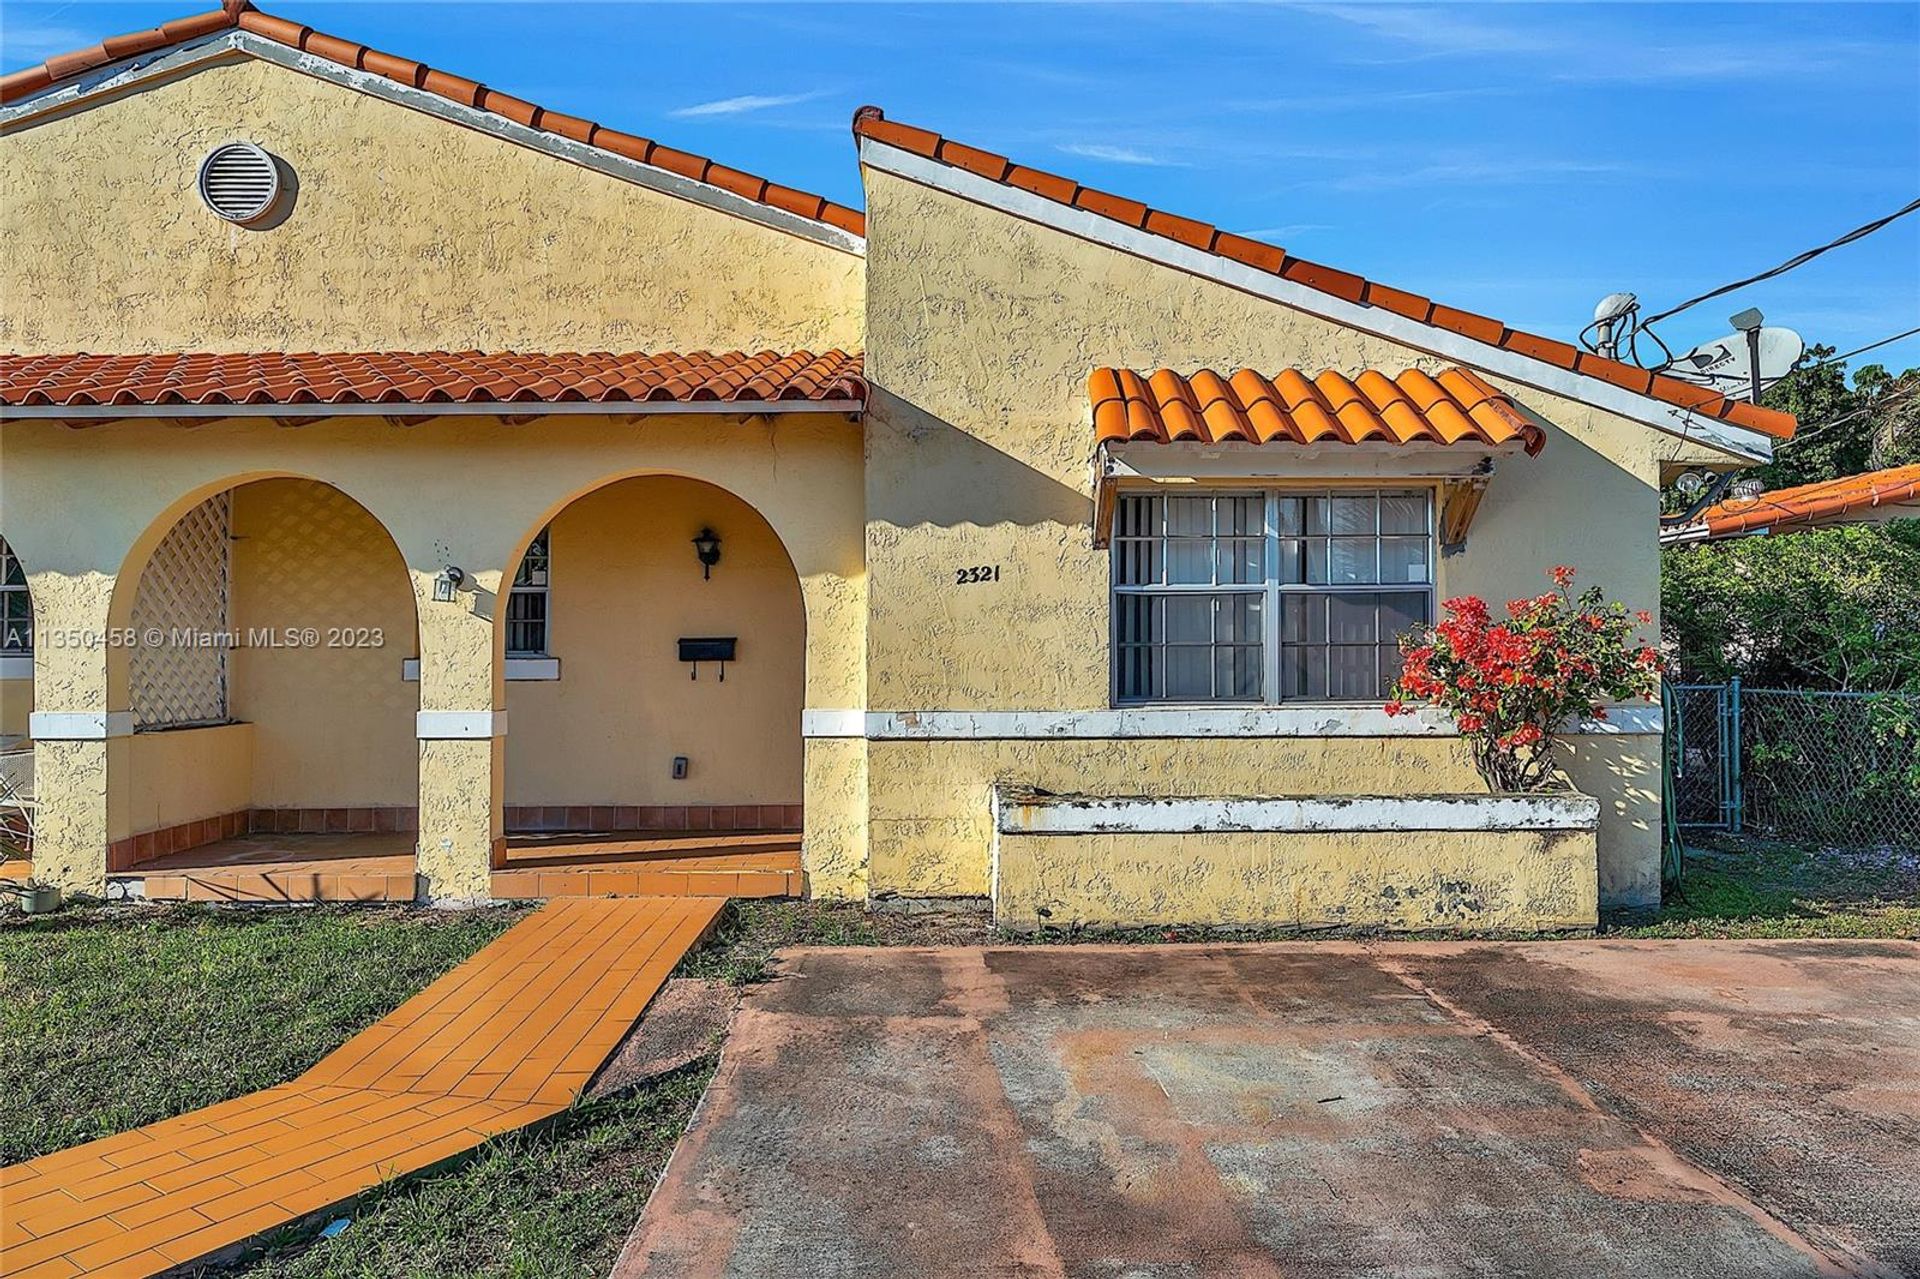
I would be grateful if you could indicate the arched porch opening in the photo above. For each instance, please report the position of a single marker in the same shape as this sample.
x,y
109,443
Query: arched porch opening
x,y
653,700
266,629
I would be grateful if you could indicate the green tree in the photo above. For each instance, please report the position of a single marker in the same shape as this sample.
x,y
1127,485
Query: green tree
x,y
1846,427
1833,608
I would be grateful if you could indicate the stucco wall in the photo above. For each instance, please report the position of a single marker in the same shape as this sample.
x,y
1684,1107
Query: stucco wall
x,y
332,719
185,774
983,328
1479,880
625,586
408,233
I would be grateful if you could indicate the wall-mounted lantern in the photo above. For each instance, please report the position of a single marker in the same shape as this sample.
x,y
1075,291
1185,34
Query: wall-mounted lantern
x,y
707,547
450,580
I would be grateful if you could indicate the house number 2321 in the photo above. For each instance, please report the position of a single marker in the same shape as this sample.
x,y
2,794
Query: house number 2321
x,y
978,573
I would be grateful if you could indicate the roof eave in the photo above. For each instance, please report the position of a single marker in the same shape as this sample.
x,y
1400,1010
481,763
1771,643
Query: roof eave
x,y
428,408
179,59
1677,421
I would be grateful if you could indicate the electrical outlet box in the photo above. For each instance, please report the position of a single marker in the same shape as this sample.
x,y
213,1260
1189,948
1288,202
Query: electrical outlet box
x,y
679,768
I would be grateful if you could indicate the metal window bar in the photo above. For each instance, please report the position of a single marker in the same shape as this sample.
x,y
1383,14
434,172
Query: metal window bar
x,y
528,597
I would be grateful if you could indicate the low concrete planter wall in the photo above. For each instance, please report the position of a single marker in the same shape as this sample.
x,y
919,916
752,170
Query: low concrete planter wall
x,y
1481,862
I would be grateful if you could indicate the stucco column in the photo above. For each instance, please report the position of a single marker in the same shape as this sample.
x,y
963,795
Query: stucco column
x,y
462,728
80,725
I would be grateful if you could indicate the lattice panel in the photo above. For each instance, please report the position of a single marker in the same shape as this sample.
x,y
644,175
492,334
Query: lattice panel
x,y
183,596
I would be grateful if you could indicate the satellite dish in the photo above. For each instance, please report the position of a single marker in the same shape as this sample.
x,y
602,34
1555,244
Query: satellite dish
x,y
1724,363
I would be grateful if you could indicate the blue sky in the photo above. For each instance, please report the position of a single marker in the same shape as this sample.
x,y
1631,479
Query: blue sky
x,y
1518,160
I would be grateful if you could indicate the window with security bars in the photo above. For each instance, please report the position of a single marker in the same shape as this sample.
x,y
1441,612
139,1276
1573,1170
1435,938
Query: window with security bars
x,y
527,602
16,608
1266,596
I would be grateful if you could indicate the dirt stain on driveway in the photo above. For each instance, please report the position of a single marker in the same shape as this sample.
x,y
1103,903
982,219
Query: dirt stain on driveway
x,y
1632,1108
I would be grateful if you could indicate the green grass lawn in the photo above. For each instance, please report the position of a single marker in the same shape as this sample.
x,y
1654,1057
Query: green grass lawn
x,y
115,1017
1757,889
553,1201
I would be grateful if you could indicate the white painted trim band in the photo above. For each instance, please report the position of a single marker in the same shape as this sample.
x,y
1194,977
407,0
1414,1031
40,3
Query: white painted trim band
x,y
1027,814
833,723
528,669
1280,461
1304,720
420,410
440,726
79,726
16,665
1669,418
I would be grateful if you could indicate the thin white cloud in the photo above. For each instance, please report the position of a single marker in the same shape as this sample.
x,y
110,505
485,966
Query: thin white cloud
x,y
1117,155
743,105
23,42
1287,232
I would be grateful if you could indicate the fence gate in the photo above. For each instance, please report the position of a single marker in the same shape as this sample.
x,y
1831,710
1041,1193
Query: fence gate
x,y
1706,756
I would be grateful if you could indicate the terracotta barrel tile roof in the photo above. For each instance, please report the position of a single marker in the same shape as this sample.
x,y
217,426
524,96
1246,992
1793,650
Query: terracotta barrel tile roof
x,y
418,75
1813,503
428,377
1453,407
871,122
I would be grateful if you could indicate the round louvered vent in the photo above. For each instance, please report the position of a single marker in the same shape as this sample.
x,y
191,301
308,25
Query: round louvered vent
x,y
240,182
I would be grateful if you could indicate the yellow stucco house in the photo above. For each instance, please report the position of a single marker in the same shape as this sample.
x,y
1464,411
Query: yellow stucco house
x,y
445,471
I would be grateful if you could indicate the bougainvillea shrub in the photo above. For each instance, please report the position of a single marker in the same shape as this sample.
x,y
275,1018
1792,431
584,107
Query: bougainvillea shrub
x,y
1509,683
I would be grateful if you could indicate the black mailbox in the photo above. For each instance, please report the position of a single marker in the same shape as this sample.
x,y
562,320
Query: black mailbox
x,y
712,649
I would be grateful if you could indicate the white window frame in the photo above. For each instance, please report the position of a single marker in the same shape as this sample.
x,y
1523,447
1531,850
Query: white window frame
x,y
1272,590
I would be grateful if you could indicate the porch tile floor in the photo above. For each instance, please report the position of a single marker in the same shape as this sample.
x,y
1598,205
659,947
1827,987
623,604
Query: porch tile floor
x,y
508,1038
380,867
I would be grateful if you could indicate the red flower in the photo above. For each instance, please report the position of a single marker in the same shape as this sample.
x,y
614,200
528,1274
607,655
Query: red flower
x,y
1562,574
1396,708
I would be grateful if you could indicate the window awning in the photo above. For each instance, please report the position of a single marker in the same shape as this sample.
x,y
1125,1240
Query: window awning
x,y
414,384
1245,424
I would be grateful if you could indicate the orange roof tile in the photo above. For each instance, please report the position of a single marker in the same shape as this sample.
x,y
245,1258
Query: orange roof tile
x,y
238,13
427,377
1453,407
871,122
1811,504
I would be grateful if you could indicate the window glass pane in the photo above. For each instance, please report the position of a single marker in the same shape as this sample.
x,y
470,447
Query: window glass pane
x,y
1189,619
1351,560
1316,561
1352,671
1351,514
1243,516
1190,562
1238,619
1189,672
1293,515
1351,619
1400,612
1317,515
1189,516
1403,513
1139,517
1237,672
1243,561
1303,619
1139,563
1403,559
1292,568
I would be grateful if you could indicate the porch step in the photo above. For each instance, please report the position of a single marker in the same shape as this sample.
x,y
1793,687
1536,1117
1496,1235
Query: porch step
x,y
256,886
551,882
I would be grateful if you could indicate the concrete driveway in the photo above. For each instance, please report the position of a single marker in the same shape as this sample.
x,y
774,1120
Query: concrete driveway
x,y
1567,1108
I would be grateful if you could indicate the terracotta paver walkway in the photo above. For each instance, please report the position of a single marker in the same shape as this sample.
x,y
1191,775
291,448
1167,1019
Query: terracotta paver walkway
x,y
508,1038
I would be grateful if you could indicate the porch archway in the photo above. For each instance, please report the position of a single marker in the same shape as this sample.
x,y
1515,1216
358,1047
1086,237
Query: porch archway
x,y
265,624
623,757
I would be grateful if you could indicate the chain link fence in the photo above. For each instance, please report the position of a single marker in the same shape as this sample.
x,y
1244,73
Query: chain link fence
x,y
1834,769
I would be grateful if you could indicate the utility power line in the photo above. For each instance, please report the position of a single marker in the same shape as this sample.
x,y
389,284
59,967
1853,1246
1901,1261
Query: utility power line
x,y
1862,350
1799,259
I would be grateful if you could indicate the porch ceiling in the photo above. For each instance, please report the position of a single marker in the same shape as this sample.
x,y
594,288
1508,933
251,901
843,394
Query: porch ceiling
x,y
87,386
